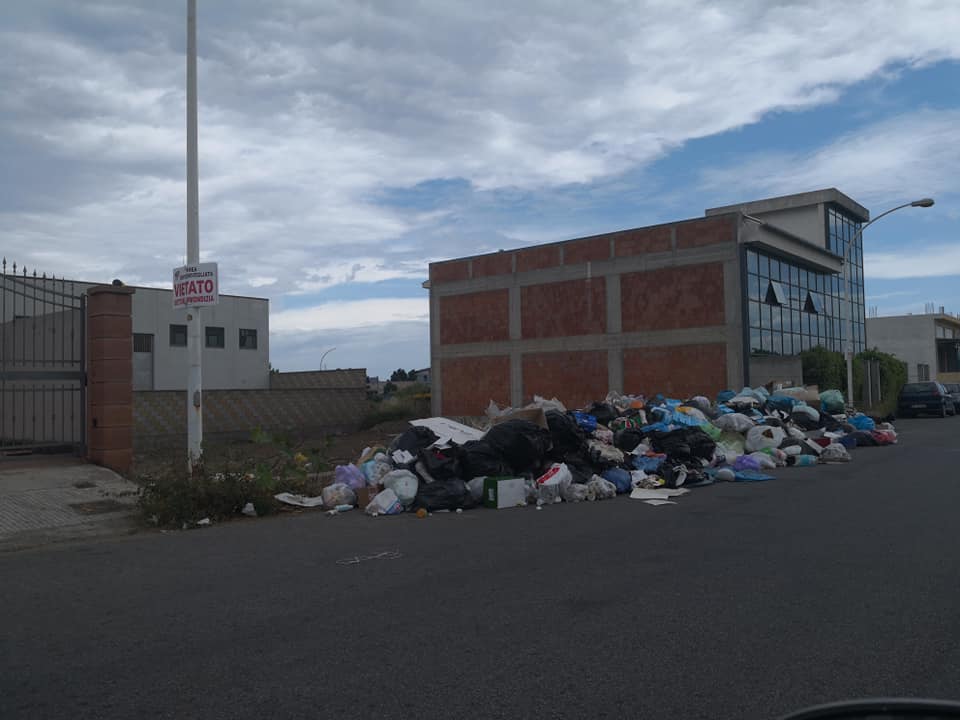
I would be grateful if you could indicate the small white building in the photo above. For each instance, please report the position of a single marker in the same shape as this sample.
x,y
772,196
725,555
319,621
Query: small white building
x,y
236,342
928,344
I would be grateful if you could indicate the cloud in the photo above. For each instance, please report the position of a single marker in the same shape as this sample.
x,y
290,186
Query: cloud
x,y
352,314
311,111
915,153
918,262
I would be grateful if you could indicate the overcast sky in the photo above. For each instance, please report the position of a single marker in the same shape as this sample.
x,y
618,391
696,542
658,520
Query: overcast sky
x,y
344,145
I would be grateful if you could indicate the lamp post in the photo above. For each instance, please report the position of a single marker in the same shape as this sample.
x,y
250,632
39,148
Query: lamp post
x,y
848,310
194,330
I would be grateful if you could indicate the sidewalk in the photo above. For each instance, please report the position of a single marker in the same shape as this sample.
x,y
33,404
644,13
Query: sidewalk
x,y
47,500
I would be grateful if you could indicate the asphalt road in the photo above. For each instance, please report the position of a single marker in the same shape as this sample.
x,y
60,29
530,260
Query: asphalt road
x,y
742,601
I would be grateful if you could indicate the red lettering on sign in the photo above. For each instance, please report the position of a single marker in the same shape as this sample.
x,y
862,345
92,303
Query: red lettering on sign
x,y
208,286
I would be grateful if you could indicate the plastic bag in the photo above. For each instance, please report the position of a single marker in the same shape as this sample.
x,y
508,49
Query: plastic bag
x,y
734,422
587,423
522,444
603,453
444,495
565,434
604,435
414,439
404,483
684,444
552,483
835,452
693,413
478,458
603,412
574,492
862,422
384,502
764,461
712,430
374,470
475,486
338,494
725,396
600,489
832,401
700,402
784,403
746,462
349,475
763,436
620,478
440,464
627,440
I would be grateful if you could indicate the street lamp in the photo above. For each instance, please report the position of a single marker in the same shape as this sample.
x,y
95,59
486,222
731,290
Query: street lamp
x,y
924,203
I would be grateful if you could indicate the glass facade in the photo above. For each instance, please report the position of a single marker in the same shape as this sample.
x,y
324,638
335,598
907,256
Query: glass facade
x,y
791,309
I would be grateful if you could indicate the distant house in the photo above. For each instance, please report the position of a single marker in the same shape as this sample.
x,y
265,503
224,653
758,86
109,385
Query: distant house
x,y
422,376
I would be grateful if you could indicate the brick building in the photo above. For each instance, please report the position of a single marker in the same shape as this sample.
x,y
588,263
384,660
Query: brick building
x,y
693,306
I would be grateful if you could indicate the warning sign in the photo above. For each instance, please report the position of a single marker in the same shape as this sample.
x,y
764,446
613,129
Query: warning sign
x,y
195,285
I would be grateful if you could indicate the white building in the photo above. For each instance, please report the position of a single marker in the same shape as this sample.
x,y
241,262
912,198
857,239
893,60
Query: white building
x,y
928,344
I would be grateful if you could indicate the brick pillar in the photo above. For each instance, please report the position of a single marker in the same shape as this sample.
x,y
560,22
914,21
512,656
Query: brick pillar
x,y
110,377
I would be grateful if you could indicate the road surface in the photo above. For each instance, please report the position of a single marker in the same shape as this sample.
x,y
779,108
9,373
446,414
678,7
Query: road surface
x,y
742,601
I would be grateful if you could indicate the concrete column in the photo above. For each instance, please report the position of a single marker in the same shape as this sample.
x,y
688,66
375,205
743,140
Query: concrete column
x,y
110,377
614,327
436,371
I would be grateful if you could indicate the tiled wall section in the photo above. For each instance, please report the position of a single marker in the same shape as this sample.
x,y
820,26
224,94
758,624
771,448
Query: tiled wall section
x,y
672,298
677,370
557,309
576,378
160,416
469,384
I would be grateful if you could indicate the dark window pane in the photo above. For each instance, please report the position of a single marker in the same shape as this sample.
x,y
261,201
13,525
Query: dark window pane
x,y
178,336
764,266
754,314
215,337
767,340
751,261
754,288
774,269
248,339
755,340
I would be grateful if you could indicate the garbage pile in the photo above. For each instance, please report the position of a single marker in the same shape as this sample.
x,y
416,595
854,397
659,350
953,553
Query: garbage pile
x,y
652,449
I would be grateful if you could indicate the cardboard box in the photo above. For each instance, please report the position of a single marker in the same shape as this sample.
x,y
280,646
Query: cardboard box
x,y
500,492
366,494
534,415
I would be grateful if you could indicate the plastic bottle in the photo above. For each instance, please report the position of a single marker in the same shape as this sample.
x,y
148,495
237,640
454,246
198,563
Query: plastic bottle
x,y
340,509
801,460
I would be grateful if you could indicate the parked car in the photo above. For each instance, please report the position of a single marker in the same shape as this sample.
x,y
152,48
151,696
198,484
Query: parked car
x,y
925,397
954,390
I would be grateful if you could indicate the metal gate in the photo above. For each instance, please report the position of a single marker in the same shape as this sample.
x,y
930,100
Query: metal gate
x,y
42,363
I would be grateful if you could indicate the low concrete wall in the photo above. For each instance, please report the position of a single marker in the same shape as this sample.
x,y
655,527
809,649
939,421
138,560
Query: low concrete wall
x,y
351,378
159,416
785,369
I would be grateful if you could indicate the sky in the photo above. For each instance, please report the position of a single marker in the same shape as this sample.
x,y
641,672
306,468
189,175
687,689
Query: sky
x,y
346,144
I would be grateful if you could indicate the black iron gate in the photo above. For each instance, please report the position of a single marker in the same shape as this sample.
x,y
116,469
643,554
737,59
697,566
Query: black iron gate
x,y
42,363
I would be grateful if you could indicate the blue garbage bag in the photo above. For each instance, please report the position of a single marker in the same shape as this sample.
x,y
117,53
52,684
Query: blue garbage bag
x,y
862,422
620,478
781,402
751,476
587,423
647,464
725,395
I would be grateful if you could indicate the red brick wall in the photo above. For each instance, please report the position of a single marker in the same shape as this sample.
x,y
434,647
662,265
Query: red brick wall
x,y
586,250
469,384
538,258
638,242
572,307
499,264
475,317
449,271
671,298
679,370
705,232
576,378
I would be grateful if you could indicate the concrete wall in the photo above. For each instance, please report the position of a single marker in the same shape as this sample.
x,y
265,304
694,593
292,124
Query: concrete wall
x,y
910,337
160,420
785,370
352,378
649,310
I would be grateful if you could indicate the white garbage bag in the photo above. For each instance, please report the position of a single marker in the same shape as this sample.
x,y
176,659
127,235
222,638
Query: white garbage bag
x,y
384,502
404,483
835,452
764,436
338,494
734,422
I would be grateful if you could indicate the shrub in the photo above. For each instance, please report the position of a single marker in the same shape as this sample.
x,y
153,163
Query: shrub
x,y
824,368
893,376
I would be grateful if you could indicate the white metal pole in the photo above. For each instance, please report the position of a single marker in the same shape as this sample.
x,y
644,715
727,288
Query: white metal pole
x,y
194,332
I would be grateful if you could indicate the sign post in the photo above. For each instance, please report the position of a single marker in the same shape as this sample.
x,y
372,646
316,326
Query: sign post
x,y
194,332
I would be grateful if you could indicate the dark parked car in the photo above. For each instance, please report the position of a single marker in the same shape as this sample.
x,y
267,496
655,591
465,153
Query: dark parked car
x,y
954,390
924,397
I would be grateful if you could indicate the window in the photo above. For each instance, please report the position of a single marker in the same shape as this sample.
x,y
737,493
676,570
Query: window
x,y
923,372
214,337
142,343
248,339
813,304
776,295
178,336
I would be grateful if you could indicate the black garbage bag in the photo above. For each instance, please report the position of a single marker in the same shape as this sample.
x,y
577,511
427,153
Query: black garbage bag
x,y
479,459
444,495
440,464
522,444
627,439
804,421
414,439
864,438
603,412
684,444
565,434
